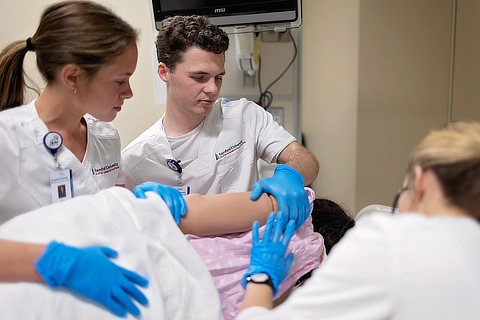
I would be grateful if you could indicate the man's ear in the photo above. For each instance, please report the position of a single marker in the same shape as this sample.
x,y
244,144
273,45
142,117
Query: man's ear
x,y
70,76
163,72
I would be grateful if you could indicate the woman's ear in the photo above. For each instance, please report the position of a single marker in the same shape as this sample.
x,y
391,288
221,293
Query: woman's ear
x,y
419,181
70,75
163,72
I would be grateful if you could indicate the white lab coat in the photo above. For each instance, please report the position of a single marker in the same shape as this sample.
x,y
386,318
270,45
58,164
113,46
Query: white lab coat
x,y
401,267
26,164
234,136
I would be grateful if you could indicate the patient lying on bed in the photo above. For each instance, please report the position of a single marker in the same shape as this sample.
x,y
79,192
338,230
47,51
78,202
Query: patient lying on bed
x,y
227,257
148,242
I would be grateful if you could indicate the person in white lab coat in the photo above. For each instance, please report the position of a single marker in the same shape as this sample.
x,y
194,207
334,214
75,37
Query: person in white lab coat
x,y
62,144
207,145
419,264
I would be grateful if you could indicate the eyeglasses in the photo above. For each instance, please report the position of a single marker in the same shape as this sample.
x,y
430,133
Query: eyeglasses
x,y
397,196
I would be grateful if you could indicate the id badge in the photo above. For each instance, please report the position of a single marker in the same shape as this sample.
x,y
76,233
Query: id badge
x,y
61,185
184,190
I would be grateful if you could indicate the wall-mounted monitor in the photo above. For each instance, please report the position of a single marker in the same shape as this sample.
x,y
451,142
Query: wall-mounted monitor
x,y
277,15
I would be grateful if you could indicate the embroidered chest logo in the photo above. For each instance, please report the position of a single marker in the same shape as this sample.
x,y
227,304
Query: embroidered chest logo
x,y
105,169
229,150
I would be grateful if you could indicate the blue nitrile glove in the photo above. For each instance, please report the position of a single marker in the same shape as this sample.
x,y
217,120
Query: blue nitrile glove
x,y
172,197
268,255
89,272
286,185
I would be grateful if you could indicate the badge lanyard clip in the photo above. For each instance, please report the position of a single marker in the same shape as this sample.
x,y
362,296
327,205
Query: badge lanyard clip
x,y
53,141
61,181
175,166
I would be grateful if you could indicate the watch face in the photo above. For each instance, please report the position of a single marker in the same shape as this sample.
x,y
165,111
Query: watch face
x,y
259,277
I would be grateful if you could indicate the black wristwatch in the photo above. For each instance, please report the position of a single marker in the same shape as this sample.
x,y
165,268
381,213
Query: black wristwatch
x,y
260,278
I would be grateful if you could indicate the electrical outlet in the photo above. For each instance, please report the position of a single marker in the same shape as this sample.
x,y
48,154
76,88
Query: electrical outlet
x,y
278,115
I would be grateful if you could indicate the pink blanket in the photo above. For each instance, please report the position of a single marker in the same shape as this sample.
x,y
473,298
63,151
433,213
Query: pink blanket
x,y
227,258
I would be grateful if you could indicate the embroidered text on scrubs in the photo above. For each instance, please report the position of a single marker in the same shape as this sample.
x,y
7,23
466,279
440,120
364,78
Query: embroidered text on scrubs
x,y
105,169
229,150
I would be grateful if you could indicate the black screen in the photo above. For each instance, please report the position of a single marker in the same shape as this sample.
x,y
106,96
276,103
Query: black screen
x,y
230,12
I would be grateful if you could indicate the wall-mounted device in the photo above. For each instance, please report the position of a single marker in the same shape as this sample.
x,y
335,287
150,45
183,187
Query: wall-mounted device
x,y
246,50
277,15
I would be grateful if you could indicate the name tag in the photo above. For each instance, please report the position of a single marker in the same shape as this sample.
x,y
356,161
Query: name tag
x,y
61,185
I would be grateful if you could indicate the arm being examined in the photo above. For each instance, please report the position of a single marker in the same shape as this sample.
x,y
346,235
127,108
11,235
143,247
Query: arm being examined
x,y
218,214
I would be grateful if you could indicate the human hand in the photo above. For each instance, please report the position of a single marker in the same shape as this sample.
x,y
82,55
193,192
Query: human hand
x,y
89,272
268,255
172,197
286,185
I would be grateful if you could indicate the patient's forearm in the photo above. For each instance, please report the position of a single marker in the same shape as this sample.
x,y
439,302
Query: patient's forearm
x,y
17,260
257,295
210,215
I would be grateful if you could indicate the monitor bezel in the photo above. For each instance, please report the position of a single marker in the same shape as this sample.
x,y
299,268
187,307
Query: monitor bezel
x,y
277,15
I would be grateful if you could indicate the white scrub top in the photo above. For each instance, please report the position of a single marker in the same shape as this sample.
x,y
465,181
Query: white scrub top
x,y
234,136
26,164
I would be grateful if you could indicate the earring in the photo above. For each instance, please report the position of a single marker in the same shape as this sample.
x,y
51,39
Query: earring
x,y
74,91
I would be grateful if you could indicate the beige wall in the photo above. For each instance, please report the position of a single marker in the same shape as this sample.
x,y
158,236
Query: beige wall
x,y
375,76
383,73
466,80
329,94
404,72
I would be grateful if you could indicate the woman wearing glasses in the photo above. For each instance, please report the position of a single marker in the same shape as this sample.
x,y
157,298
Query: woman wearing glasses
x,y
419,264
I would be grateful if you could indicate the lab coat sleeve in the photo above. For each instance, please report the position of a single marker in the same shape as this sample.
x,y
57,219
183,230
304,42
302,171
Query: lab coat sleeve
x,y
354,283
10,167
271,138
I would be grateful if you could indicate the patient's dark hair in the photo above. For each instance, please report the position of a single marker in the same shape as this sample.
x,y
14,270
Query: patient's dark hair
x,y
330,220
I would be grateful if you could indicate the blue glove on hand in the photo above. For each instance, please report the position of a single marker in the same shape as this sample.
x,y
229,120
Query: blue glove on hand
x,y
286,185
89,272
268,255
172,197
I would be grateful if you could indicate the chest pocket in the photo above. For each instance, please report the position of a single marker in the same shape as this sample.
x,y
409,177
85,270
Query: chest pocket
x,y
235,176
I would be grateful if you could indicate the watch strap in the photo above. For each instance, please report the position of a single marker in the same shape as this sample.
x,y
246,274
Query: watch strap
x,y
266,280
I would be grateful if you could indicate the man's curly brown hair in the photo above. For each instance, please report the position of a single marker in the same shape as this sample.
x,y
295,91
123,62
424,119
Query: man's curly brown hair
x,y
179,33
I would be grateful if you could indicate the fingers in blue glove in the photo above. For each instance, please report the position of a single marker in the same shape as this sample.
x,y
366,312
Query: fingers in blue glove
x,y
268,255
171,196
267,235
288,233
257,190
286,185
109,252
89,272
128,286
120,297
288,261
